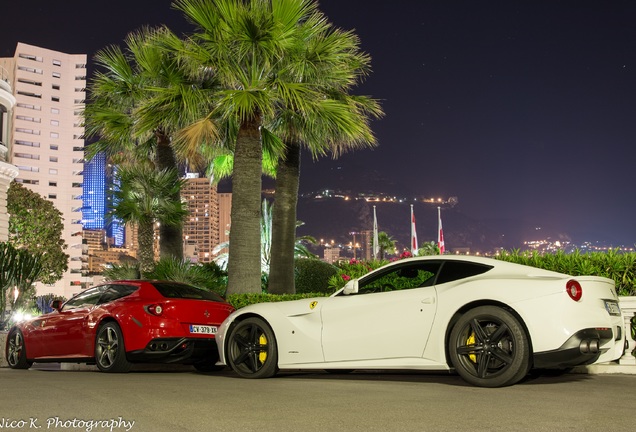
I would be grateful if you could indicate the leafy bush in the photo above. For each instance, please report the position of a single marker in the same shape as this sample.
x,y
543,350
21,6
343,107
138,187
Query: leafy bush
x,y
242,300
621,267
352,269
312,276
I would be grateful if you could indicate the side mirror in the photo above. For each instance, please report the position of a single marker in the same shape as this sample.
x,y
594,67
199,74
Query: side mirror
x,y
57,304
351,287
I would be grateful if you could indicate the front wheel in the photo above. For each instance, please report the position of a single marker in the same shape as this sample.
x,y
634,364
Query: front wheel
x,y
16,351
110,353
251,349
489,348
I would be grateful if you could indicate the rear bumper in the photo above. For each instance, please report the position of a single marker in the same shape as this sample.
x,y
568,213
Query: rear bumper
x,y
175,350
582,348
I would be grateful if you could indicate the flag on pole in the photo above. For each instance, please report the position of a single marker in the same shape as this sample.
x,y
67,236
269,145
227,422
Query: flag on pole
x,y
440,233
413,234
376,244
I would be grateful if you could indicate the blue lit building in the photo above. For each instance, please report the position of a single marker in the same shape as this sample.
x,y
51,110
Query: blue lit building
x,y
98,182
94,193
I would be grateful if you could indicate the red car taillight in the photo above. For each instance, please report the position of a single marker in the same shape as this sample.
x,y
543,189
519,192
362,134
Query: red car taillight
x,y
574,290
154,309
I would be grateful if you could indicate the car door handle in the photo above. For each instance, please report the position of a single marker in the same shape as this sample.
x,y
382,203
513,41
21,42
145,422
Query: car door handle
x,y
429,300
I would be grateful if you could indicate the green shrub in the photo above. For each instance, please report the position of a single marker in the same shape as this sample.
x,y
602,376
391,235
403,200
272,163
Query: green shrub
x,y
621,267
242,300
312,276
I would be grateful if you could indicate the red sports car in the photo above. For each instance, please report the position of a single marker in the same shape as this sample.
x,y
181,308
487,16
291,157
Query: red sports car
x,y
124,322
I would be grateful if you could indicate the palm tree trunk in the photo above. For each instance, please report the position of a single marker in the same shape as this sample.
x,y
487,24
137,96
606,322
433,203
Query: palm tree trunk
x,y
244,260
145,254
281,273
170,236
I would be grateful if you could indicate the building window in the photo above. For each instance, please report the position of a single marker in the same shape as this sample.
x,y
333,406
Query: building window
x,y
28,69
27,143
52,196
29,106
55,98
55,110
55,86
57,75
30,57
55,123
27,156
55,135
30,94
28,168
53,147
52,171
30,82
57,63
27,181
31,119
52,158
53,184
28,131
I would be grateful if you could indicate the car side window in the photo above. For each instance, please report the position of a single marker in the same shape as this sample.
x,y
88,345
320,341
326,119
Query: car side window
x,y
84,299
455,270
403,277
114,292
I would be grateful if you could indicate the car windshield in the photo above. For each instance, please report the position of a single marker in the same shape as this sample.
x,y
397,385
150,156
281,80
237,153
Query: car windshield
x,y
177,290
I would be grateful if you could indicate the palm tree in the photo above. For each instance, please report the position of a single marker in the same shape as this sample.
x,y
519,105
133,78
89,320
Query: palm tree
x,y
146,197
247,47
140,97
386,244
331,63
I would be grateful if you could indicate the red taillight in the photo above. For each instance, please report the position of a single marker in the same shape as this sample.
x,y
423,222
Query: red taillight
x,y
574,290
155,309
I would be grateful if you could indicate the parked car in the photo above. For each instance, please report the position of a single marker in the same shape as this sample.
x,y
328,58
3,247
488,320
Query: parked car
x,y
124,322
490,321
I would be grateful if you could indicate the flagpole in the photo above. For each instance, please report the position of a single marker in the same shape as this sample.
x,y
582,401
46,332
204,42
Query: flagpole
x,y
413,234
376,244
440,232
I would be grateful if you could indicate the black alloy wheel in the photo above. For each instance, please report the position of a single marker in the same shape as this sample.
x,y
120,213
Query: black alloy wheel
x,y
252,350
489,347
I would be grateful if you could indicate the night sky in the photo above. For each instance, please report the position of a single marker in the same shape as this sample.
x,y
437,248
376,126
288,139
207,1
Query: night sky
x,y
524,110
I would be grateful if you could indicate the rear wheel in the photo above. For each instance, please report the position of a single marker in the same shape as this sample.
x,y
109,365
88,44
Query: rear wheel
x,y
16,351
489,348
252,350
110,353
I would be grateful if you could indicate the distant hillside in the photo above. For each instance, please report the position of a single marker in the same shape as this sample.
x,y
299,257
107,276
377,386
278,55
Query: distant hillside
x,y
334,219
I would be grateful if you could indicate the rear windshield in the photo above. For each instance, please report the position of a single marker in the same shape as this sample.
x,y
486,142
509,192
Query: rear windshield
x,y
177,290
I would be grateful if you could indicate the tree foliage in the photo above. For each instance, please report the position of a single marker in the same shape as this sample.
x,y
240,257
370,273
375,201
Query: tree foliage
x,y
35,224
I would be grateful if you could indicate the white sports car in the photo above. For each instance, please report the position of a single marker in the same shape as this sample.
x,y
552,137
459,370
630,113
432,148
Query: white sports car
x,y
489,320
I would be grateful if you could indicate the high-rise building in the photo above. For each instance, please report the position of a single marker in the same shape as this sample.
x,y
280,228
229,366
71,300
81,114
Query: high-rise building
x,y
201,228
99,183
47,141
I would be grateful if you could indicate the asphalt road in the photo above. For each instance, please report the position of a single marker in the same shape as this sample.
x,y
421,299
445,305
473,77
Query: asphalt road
x,y
51,399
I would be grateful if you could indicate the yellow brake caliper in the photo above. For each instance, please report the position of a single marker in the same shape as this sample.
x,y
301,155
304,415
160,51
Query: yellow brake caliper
x,y
471,341
262,356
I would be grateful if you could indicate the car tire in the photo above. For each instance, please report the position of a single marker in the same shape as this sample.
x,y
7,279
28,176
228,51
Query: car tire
x,y
16,351
488,347
251,349
110,352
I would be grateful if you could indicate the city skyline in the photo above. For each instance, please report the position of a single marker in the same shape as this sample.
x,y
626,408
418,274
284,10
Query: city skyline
x,y
523,111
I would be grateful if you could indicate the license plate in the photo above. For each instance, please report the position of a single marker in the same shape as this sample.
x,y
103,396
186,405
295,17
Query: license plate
x,y
202,329
612,308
